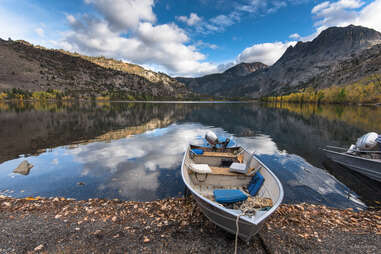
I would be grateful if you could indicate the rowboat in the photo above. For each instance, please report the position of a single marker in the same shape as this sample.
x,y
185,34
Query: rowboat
x,y
367,163
207,171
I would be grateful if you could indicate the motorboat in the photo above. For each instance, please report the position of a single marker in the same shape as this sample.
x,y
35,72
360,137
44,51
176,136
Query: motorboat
x,y
364,162
364,157
233,187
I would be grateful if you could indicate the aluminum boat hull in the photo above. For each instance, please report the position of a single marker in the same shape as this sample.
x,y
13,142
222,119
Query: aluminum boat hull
x,y
226,218
368,167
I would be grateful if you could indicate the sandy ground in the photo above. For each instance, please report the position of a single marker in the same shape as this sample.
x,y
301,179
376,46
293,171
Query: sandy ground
x,y
175,226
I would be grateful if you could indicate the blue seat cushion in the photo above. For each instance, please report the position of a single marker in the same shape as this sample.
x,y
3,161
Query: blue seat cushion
x,y
229,196
255,184
198,151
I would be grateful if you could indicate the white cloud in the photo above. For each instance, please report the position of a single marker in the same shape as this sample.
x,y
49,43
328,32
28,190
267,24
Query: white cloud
x,y
294,36
214,24
202,44
262,7
192,20
164,45
346,12
71,19
253,6
276,5
125,14
223,20
267,53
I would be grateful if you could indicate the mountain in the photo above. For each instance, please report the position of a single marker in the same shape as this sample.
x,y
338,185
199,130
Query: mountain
x,y
35,68
337,56
216,84
244,69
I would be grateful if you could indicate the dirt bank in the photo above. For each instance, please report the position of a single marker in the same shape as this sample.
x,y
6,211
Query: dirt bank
x,y
175,226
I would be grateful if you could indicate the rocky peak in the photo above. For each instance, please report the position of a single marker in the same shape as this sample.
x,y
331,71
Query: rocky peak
x,y
244,69
350,37
334,42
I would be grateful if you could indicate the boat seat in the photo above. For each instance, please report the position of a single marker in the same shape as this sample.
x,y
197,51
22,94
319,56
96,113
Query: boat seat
x,y
242,168
226,171
197,151
255,184
222,171
219,154
200,168
224,196
238,168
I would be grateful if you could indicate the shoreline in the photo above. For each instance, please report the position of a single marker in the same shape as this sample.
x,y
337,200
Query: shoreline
x,y
176,225
184,100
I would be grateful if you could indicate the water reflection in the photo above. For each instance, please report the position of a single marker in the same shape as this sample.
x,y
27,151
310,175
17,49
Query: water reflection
x,y
134,151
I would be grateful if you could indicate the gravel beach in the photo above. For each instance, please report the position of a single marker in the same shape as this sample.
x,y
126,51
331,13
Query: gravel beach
x,y
175,225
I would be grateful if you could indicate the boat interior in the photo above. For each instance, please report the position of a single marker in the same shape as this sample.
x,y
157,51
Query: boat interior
x,y
372,155
219,176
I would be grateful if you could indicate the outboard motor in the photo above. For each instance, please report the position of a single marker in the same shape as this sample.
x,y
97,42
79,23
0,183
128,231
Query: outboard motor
x,y
212,139
367,142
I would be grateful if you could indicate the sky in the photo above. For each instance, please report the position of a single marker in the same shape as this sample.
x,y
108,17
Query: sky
x,y
187,38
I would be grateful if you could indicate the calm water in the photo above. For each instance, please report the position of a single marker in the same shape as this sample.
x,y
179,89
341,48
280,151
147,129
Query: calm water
x,y
133,151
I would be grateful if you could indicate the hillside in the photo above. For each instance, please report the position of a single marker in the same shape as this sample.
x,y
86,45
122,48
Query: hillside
x,y
338,56
217,84
31,68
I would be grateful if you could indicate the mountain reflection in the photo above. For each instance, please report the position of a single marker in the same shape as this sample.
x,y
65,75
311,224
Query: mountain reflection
x,y
133,151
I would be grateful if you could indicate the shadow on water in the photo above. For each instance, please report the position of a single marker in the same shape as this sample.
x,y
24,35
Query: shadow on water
x,y
133,151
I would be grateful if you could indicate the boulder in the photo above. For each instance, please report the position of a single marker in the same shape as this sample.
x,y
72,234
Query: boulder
x,y
23,168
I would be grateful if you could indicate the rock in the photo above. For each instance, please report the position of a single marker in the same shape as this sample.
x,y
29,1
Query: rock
x,y
39,247
81,183
97,232
23,168
7,204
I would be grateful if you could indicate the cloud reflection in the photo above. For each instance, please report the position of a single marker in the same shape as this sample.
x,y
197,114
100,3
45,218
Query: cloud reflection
x,y
135,162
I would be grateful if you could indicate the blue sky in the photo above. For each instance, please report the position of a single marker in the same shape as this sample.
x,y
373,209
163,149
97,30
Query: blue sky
x,y
180,37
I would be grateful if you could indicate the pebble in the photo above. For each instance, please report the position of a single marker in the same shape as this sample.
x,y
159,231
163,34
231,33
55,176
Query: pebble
x,y
7,204
97,232
39,247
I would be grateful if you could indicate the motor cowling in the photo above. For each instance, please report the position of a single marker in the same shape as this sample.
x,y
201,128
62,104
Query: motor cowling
x,y
367,142
212,138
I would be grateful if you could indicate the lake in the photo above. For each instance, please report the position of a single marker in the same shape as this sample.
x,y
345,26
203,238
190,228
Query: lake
x,y
133,151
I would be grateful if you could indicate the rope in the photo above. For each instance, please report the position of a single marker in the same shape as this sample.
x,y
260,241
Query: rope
x,y
245,210
236,233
